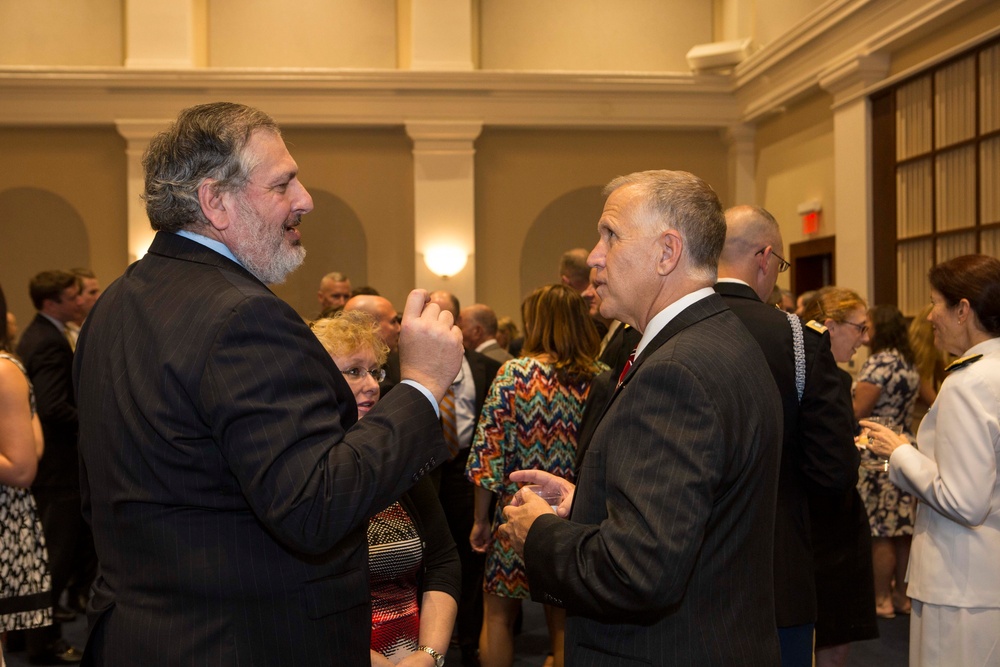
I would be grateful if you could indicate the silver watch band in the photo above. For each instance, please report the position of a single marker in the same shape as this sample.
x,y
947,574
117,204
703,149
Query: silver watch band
x,y
438,658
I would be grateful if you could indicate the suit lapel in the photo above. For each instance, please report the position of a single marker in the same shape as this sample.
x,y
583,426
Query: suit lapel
x,y
696,312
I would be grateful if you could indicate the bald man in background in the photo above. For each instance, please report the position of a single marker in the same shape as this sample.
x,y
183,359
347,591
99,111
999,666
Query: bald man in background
x,y
817,450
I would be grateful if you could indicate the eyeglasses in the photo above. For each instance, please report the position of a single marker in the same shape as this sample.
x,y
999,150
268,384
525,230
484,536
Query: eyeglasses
x,y
358,374
862,328
783,266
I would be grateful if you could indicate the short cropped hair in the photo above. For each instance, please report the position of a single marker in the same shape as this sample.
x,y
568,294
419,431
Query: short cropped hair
x,y
682,201
49,285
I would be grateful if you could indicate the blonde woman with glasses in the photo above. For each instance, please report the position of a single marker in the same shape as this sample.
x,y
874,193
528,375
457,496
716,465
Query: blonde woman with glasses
x,y
413,568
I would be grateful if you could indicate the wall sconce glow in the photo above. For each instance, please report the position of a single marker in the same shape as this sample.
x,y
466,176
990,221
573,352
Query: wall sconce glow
x,y
445,261
140,252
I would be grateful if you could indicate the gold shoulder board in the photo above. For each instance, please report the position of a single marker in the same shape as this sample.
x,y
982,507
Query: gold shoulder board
x,y
816,326
963,362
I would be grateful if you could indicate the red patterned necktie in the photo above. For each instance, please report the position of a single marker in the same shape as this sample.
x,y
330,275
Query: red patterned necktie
x,y
449,425
628,365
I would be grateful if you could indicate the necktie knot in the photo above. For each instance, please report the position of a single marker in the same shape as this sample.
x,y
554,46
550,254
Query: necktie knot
x,y
625,369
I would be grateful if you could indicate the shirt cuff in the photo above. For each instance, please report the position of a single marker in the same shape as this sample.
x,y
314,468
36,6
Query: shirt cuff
x,y
426,392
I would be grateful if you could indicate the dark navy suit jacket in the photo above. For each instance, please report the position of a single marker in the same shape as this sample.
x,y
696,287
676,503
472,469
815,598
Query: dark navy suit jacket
x,y
666,558
225,479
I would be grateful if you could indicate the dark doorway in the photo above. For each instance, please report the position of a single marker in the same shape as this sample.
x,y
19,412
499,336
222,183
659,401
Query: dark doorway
x,y
812,264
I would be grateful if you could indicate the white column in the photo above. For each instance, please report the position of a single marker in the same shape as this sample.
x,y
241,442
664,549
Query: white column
x,y
137,134
164,35
852,167
445,199
440,35
742,164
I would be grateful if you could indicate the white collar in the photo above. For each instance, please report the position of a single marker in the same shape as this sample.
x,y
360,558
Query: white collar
x,y
662,318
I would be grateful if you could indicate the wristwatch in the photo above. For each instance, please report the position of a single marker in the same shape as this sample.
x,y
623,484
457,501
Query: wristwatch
x,y
438,658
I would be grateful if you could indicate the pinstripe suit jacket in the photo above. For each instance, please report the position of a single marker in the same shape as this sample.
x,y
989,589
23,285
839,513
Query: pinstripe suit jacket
x,y
225,479
666,558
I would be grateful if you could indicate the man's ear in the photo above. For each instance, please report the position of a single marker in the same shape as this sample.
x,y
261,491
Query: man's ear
x,y
213,204
671,247
764,258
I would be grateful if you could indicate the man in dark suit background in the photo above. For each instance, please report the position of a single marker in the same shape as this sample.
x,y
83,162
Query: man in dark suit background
x,y
227,483
456,492
479,332
818,454
47,354
666,558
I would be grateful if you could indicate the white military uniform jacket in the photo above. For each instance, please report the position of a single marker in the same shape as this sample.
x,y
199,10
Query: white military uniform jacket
x,y
956,539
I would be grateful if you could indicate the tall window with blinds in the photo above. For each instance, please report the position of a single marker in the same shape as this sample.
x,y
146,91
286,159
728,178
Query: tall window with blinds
x,y
936,170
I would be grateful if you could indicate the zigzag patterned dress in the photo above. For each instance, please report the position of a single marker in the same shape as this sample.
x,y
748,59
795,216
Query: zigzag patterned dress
x,y
530,420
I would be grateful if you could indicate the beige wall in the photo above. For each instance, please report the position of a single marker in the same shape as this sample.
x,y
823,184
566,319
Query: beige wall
x,y
61,32
306,33
625,35
62,205
537,195
794,165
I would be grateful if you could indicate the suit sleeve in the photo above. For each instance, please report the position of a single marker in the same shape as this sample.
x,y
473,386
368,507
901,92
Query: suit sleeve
x,y
826,422
658,499
51,369
267,394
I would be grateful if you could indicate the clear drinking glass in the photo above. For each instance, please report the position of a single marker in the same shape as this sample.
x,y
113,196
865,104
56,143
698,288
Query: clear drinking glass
x,y
872,462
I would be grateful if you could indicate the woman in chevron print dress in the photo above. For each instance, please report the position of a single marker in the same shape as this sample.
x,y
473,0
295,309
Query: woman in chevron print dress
x,y
530,420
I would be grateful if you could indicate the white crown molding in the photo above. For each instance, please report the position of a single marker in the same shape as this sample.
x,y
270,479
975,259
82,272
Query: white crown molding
x,y
89,96
799,38
838,36
849,78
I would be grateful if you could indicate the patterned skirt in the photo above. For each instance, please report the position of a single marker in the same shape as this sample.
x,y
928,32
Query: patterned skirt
x,y
25,584
891,511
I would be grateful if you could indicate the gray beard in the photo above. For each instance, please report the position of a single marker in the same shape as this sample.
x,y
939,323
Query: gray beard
x,y
265,255
278,268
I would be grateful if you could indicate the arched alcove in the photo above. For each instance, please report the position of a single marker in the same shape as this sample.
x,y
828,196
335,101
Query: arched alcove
x,y
569,221
335,240
40,231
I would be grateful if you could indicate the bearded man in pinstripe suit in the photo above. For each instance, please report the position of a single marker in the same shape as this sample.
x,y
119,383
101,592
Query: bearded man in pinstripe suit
x,y
665,555
223,474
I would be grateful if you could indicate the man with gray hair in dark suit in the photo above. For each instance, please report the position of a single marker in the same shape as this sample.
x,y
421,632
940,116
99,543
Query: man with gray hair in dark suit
x,y
664,555
225,474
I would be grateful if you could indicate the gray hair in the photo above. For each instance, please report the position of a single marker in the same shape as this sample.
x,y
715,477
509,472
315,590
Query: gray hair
x,y
206,141
680,200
